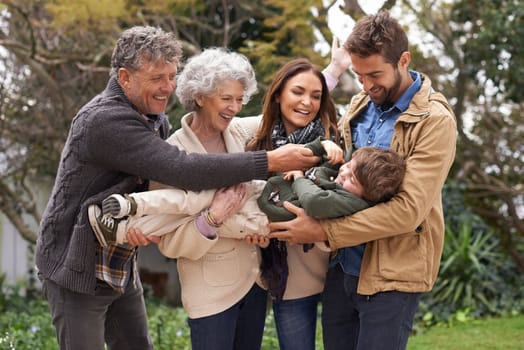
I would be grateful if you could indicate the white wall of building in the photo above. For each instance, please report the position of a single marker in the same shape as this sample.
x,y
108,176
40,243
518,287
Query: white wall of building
x,y
14,257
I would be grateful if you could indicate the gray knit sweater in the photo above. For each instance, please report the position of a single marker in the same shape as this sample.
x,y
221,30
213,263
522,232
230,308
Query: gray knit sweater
x,y
110,147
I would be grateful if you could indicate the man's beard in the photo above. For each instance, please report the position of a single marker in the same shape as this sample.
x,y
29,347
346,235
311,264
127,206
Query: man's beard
x,y
389,93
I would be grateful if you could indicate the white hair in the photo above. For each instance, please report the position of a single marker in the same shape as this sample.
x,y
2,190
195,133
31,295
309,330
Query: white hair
x,y
205,72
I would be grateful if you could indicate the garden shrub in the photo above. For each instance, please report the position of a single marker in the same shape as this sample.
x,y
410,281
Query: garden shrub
x,y
476,277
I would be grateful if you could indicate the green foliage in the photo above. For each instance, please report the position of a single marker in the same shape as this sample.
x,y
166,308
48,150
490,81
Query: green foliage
x,y
25,322
94,14
270,338
495,42
475,279
27,329
168,326
486,334
469,274
456,211
479,46
287,33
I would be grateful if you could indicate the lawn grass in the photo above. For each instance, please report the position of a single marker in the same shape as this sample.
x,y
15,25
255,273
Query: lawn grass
x,y
28,327
487,334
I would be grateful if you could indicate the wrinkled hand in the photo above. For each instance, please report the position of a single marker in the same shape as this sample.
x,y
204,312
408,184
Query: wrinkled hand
x,y
228,201
291,157
334,153
340,60
135,237
261,240
302,229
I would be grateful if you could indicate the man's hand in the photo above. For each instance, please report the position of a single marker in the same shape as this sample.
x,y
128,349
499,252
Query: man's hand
x,y
291,157
302,229
135,237
340,60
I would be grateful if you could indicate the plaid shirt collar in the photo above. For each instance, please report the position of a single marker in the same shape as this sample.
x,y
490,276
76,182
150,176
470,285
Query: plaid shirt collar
x,y
115,264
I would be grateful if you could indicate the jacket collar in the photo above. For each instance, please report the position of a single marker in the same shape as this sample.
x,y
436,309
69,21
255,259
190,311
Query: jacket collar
x,y
189,140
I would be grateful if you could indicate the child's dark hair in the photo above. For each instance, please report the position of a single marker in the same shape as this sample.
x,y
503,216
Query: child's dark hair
x,y
379,171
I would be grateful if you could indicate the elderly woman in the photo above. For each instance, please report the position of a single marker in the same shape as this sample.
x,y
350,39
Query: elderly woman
x,y
225,305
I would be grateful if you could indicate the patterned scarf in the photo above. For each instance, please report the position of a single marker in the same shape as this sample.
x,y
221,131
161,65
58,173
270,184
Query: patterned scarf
x,y
300,136
274,268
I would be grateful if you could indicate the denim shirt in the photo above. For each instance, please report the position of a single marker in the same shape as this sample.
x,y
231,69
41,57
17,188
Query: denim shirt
x,y
374,128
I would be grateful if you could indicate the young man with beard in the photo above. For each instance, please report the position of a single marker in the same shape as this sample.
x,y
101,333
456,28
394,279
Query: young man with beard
x,y
385,256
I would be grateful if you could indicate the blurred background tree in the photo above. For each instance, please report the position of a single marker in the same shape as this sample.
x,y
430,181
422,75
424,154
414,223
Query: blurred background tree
x,y
477,51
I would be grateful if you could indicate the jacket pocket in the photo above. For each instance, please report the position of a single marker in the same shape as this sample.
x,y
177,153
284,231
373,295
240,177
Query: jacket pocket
x,y
221,269
81,246
404,257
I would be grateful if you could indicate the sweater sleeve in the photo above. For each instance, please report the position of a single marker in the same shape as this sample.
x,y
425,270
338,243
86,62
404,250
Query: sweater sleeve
x,y
322,203
120,141
331,81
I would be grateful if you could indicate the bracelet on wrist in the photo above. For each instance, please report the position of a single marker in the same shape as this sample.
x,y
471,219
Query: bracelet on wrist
x,y
210,219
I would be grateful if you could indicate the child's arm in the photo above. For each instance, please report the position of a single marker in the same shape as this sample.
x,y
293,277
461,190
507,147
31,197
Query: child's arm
x,y
326,203
334,153
194,238
171,201
340,61
328,150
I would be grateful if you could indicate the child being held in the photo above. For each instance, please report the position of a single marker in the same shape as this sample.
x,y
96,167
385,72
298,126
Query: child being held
x,y
373,175
161,211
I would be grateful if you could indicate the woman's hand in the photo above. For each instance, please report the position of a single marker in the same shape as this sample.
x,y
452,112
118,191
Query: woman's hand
x,y
227,201
261,240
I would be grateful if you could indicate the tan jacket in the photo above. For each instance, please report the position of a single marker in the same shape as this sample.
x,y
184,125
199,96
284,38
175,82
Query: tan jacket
x,y
404,236
214,273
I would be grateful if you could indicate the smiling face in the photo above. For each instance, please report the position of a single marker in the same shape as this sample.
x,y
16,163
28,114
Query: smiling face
x,y
150,87
347,179
382,81
217,111
300,100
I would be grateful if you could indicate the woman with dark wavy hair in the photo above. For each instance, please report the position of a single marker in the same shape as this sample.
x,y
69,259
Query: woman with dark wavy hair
x,y
297,109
